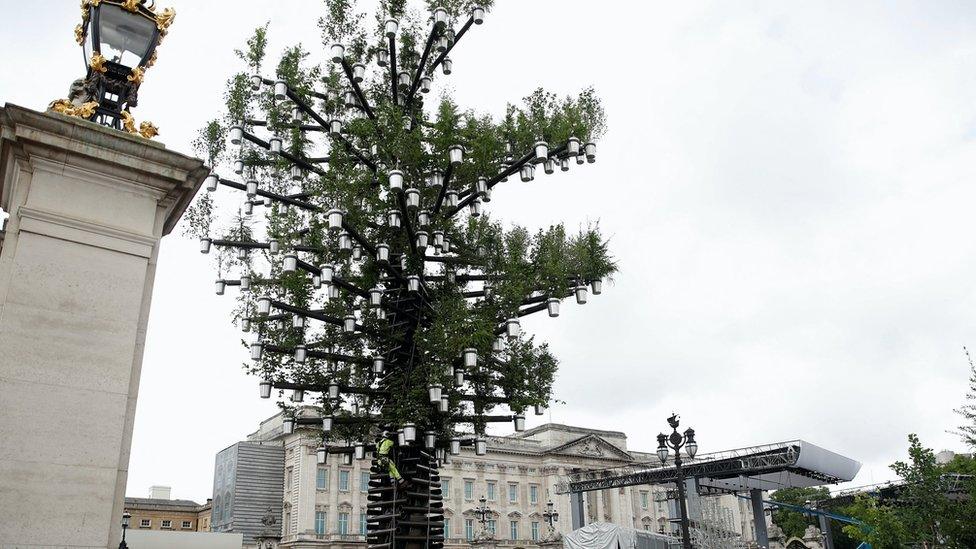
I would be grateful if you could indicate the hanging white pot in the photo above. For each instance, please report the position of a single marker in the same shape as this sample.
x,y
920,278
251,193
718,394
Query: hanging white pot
x,y
328,422
403,80
236,135
573,146
581,295
459,377
264,305
380,314
205,245
413,283
246,283
383,254
451,198
597,287
288,425
335,220
401,439
513,328
393,219
549,166
434,392
359,451
257,350
358,72
248,208
297,116
564,164
322,455
335,127
486,198
281,90
409,432
423,218
379,365
580,160
590,150
212,181
470,358
334,391
290,264
382,57
301,354
349,324
481,186
447,66
436,180
474,208
438,239
430,439
350,100
519,423
316,281
480,446
251,188
478,14
455,446
392,26
553,306
442,44
297,395
396,180
256,82
498,345
526,173
447,245
376,297
275,144
440,18
541,151
297,321
456,154
423,239
338,53
407,124
450,276
246,325
345,242
296,173
425,84
264,387
220,286
540,410
238,167
327,272
413,198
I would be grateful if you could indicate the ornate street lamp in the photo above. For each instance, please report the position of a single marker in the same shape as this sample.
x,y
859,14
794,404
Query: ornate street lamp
x,y
676,442
552,517
482,510
119,40
126,517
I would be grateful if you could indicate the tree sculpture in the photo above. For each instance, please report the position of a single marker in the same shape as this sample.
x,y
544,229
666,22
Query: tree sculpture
x,y
374,286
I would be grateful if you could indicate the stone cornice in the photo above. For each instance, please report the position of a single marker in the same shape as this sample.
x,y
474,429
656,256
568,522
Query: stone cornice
x,y
88,146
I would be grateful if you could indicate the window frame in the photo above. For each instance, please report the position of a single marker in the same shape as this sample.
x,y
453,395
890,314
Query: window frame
x,y
342,524
513,529
186,525
491,490
344,473
468,490
322,473
324,522
166,524
145,523
513,492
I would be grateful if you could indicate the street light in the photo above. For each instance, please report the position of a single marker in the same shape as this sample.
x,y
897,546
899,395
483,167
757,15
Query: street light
x,y
551,516
483,511
676,441
125,526
119,40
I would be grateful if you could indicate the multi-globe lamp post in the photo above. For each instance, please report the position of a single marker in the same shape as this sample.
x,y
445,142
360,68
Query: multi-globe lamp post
x,y
552,517
677,442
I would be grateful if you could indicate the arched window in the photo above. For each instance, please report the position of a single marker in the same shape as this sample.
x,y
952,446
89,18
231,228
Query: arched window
x,y
228,511
217,509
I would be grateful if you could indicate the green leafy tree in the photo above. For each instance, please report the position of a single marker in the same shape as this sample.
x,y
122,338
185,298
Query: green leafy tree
x,y
967,431
371,277
884,527
794,523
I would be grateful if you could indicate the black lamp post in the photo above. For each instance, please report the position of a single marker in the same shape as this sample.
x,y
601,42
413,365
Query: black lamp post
x,y
676,442
125,526
483,511
551,516
119,39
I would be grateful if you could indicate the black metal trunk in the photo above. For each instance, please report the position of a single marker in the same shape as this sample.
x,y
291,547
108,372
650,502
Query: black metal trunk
x,y
410,516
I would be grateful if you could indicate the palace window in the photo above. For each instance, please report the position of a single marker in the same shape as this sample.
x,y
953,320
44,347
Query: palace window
x,y
166,525
343,481
535,531
364,481
446,488
322,479
147,523
492,526
491,491
533,494
343,523
469,529
447,527
513,493
469,490
187,525
513,527
362,524
320,521
644,499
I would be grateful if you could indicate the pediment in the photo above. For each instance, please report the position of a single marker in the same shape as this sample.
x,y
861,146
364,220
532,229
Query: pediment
x,y
592,446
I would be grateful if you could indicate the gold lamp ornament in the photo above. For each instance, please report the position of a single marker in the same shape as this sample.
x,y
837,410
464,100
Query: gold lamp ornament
x,y
119,40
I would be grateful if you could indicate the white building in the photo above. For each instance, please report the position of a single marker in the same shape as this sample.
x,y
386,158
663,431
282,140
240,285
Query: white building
x,y
325,506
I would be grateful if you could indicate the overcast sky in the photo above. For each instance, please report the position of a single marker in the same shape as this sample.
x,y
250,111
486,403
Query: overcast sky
x,y
789,187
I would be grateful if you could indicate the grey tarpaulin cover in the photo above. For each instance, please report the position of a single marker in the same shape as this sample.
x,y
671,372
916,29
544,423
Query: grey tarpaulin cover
x,y
601,535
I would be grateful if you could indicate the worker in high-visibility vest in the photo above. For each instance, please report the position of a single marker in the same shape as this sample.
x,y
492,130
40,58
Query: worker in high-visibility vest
x,y
383,450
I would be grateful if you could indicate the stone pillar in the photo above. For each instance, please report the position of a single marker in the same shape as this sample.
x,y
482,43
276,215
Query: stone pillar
x,y
759,515
88,206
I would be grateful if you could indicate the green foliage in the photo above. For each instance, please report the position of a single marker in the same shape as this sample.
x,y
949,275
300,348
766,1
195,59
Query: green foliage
x,y
886,529
512,265
967,431
794,523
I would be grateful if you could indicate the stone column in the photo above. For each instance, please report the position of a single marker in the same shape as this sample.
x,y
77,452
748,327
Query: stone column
x,y
88,206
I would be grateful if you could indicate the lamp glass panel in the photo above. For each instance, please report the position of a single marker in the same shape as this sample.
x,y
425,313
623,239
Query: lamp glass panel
x,y
125,37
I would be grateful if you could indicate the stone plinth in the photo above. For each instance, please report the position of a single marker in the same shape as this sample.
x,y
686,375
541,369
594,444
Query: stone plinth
x,y
551,543
88,207
484,543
